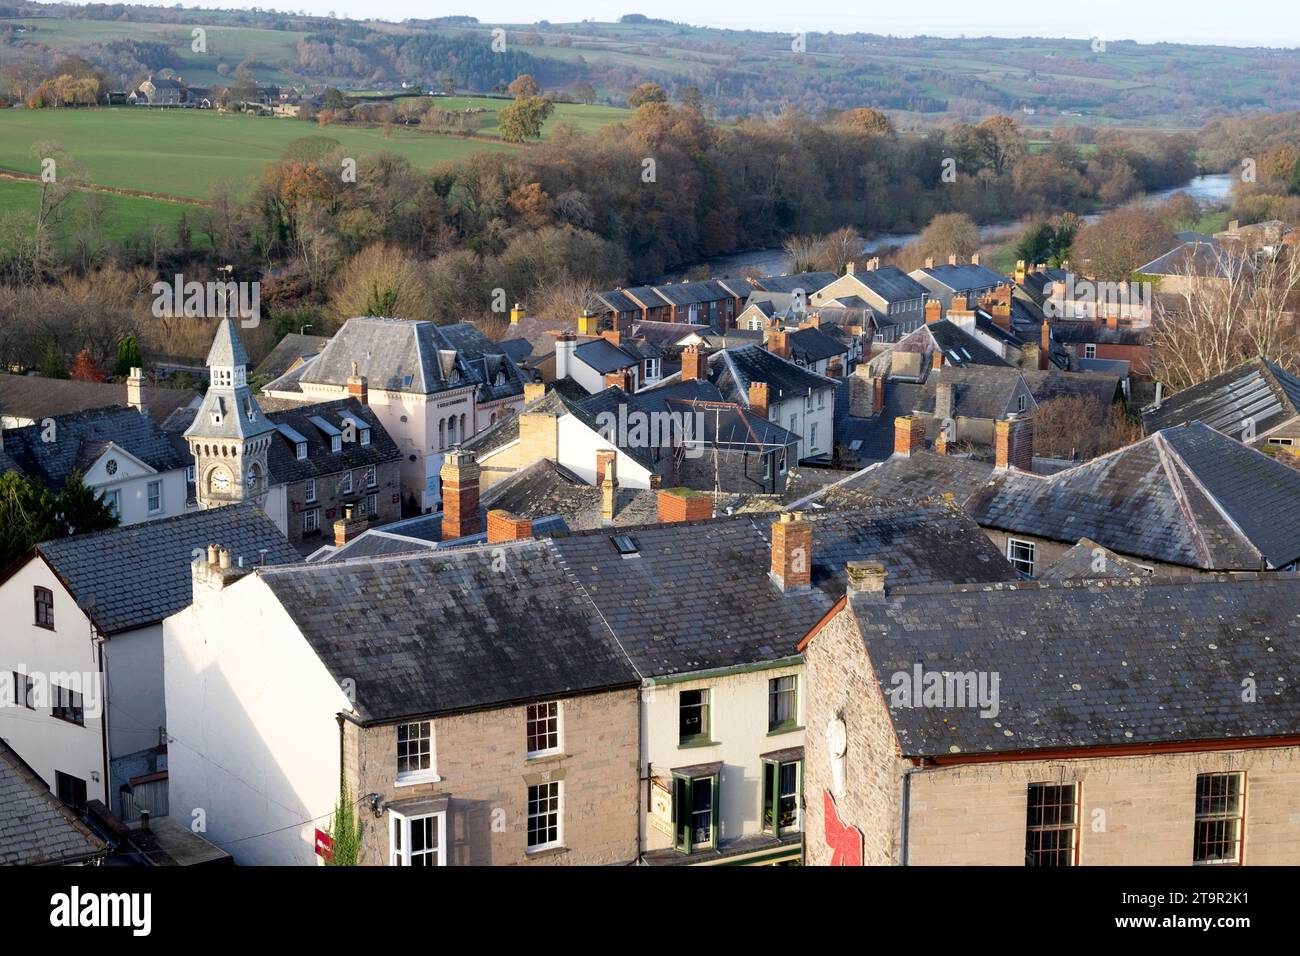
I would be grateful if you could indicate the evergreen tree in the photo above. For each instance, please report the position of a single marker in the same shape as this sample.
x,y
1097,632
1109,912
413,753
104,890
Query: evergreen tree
x,y
26,516
128,357
53,363
79,509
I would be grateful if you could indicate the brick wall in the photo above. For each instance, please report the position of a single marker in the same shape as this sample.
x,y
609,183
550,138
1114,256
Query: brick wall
x,y
389,483
482,760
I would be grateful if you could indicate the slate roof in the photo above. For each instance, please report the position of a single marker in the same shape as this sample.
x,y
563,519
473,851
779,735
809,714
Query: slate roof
x,y
734,369
919,476
810,282
82,437
34,397
36,829
1102,388
980,391
452,630
226,351
812,345
1092,664
1258,390
1067,331
697,595
604,356
404,356
1088,560
545,488
965,277
687,293
959,347
293,348
130,577
506,428
1038,285
519,350
892,284
282,456
1186,496
1204,259
616,300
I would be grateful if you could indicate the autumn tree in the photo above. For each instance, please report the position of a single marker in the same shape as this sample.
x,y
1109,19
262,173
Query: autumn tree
x,y
1120,241
85,369
523,119
646,93
866,120
1075,427
522,86
585,93
381,276
950,234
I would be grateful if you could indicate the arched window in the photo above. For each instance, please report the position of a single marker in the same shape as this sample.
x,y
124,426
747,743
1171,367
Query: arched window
x,y
463,434
442,433
451,430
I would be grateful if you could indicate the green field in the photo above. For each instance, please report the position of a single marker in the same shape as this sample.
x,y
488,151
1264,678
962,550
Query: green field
x,y
183,152
126,215
584,118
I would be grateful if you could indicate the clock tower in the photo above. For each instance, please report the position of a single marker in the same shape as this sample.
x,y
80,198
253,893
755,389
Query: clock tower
x,y
230,435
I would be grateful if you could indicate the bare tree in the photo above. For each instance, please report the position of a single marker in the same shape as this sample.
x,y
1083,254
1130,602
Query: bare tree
x,y
1227,310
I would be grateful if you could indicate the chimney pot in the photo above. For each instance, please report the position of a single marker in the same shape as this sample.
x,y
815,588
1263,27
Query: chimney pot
x,y
929,262
225,558
792,543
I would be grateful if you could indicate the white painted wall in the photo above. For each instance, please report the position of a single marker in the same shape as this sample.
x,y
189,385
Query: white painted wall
x,y
133,662
253,712
738,718
793,414
44,741
577,452
276,507
131,480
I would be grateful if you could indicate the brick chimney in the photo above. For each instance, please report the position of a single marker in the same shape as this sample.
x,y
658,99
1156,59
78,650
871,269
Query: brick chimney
x,y
694,365
873,263
612,336
460,513
778,344
357,387
1020,272
134,392
929,262
941,442
349,526
683,504
936,359
792,543
866,577
975,259
517,313
1044,346
564,346
998,304
533,391
1013,443
214,571
952,259
622,379
877,394
758,398
608,489
933,310
538,437
850,268
909,435
503,526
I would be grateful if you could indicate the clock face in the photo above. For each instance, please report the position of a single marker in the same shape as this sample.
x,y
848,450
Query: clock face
x,y
220,480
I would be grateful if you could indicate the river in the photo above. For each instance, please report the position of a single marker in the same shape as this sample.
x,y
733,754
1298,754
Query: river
x,y
1209,190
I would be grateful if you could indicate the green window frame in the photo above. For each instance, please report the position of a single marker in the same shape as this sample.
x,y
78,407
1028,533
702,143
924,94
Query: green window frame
x,y
783,704
693,717
782,793
695,812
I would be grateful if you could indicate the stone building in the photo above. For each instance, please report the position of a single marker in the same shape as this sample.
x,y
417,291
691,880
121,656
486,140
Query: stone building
x,y
1064,724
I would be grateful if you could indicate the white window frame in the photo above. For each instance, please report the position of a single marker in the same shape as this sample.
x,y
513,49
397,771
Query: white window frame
x,y
558,717
410,777
1016,562
401,823
311,520
149,496
372,476
1283,442
345,483
372,504
365,436
559,817
300,450
309,489
113,498
1089,351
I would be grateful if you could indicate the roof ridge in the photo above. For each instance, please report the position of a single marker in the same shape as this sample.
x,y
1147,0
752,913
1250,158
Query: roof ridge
x,y
1211,497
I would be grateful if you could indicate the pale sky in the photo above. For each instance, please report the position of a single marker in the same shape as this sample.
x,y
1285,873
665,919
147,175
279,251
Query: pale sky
x,y
1273,23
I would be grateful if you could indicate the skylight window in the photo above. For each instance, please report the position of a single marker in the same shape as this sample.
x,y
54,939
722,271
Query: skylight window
x,y
626,545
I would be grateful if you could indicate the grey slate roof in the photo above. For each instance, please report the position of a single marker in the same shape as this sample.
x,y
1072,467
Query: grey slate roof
x,y
282,456
227,350
545,488
290,349
1186,496
965,277
810,282
604,356
892,284
812,345
1204,259
35,828
1088,560
958,346
1093,664
1257,391
1104,389
917,477
81,438
733,370
134,576
452,630
698,596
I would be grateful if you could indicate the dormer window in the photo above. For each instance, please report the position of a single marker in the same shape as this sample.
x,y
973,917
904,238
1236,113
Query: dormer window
x,y
336,443
500,379
365,436
301,450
